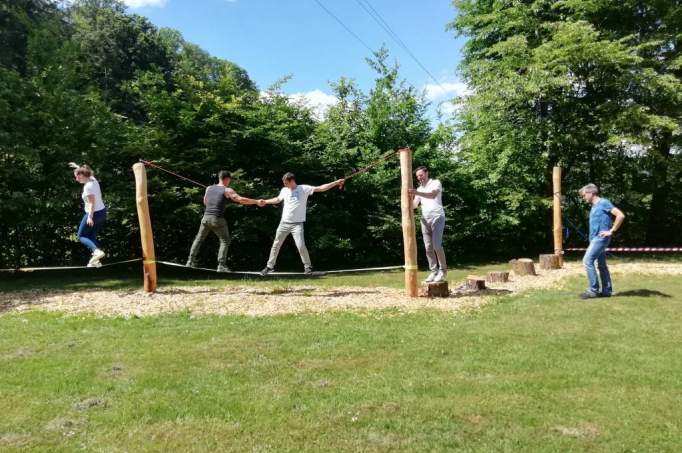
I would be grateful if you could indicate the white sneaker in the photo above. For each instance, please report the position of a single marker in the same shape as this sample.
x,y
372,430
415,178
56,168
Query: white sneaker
x,y
97,255
431,276
94,264
440,276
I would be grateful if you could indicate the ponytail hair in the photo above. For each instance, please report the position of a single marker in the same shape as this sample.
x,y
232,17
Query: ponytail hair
x,y
84,170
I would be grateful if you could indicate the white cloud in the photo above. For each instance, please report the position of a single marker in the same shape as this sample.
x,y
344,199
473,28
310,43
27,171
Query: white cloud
x,y
442,90
143,3
318,101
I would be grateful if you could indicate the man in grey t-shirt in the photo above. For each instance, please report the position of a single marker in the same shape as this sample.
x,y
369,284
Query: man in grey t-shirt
x,y
215,200
295,198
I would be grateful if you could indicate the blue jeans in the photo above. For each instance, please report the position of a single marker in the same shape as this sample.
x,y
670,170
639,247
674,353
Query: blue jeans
x,y
597,252
87,234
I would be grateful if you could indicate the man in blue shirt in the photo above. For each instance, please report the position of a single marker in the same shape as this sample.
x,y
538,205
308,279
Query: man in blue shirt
x,y
601,230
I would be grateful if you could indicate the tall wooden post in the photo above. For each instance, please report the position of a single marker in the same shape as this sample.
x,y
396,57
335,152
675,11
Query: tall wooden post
x,y
409,235
148,255
558,226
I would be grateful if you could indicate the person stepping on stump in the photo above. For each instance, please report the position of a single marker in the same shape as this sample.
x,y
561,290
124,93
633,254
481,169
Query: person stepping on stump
x,y
429,196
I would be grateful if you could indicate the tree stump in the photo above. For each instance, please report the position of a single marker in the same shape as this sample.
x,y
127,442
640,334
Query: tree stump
x,y
434,289
497,277
474,282
523,266
550,261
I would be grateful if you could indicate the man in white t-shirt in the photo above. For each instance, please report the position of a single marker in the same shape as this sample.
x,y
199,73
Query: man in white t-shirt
x,y
429,194
295,198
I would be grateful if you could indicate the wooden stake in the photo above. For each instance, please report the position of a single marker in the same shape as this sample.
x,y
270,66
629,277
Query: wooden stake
x,y
409,234
558,227
148,255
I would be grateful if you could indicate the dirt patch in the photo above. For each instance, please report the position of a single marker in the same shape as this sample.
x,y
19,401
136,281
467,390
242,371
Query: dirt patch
x,y
295,299
15,440
583,431
89,404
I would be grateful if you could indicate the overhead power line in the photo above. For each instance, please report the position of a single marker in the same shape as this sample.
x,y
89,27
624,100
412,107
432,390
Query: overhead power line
x,y
344,26
374,14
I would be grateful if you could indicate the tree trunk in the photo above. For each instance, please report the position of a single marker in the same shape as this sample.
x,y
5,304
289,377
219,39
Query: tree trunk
x,y
435,289
497,277
550,262
475,282
523,266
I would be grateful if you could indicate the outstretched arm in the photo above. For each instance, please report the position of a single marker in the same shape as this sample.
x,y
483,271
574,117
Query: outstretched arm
x,y
234,196
275,200
329,185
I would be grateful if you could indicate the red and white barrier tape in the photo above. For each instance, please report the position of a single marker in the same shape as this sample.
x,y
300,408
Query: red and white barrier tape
x,y
631,249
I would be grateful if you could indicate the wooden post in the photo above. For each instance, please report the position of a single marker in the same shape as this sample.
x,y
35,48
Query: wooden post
x,y
148,255
558,227
409,234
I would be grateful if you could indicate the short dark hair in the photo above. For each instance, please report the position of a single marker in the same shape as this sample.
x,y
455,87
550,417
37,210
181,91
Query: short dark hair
x,y
288,176
222,174
421,168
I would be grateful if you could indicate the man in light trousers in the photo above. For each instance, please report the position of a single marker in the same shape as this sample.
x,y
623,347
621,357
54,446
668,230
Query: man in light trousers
x,y
429,196
295,198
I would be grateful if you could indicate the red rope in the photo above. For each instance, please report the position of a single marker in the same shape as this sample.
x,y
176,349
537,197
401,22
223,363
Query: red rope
x,y
152,164
346,178
369,167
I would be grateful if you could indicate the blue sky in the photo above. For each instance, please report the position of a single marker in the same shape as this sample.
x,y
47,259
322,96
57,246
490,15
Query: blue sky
x,y
271,39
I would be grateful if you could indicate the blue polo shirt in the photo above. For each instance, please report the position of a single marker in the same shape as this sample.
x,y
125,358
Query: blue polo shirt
x,y
600,217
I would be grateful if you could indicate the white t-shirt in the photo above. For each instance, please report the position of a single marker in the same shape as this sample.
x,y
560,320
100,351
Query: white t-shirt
x,y
295,203
431,207
92,188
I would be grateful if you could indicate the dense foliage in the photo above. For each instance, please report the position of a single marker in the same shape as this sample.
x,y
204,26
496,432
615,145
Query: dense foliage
x,y
94,84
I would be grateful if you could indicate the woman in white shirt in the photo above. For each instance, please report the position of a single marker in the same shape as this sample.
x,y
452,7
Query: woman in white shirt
x,y
95,212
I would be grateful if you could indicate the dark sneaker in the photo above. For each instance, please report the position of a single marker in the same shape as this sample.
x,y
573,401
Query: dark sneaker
x,y
222,268
605,294
589,295
308,271
266,271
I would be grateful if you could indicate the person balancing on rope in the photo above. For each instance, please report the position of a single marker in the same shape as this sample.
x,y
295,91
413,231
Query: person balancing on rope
x,y
215,199
295,198
95,212
430,196
601,231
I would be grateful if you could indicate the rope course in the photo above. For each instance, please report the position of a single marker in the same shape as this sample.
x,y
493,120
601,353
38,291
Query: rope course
x,y
152,164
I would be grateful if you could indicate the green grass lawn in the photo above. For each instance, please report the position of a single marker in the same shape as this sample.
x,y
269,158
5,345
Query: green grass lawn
x,y
537,372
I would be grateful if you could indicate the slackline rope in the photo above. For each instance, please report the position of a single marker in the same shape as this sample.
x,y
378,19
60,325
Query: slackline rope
x,y
169,263
31,269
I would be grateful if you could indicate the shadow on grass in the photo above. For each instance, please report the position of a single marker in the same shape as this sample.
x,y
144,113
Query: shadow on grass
x,y
642,293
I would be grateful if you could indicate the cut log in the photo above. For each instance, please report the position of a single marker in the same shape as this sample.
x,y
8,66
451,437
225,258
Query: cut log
x,y
475,282
497,277
434,289
550,261
523,266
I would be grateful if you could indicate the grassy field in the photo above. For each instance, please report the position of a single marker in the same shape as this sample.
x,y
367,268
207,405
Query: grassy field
x,y
542,371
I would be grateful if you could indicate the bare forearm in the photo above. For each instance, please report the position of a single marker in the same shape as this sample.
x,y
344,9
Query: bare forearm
x,y
617,223
430,195
273,201
247,201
